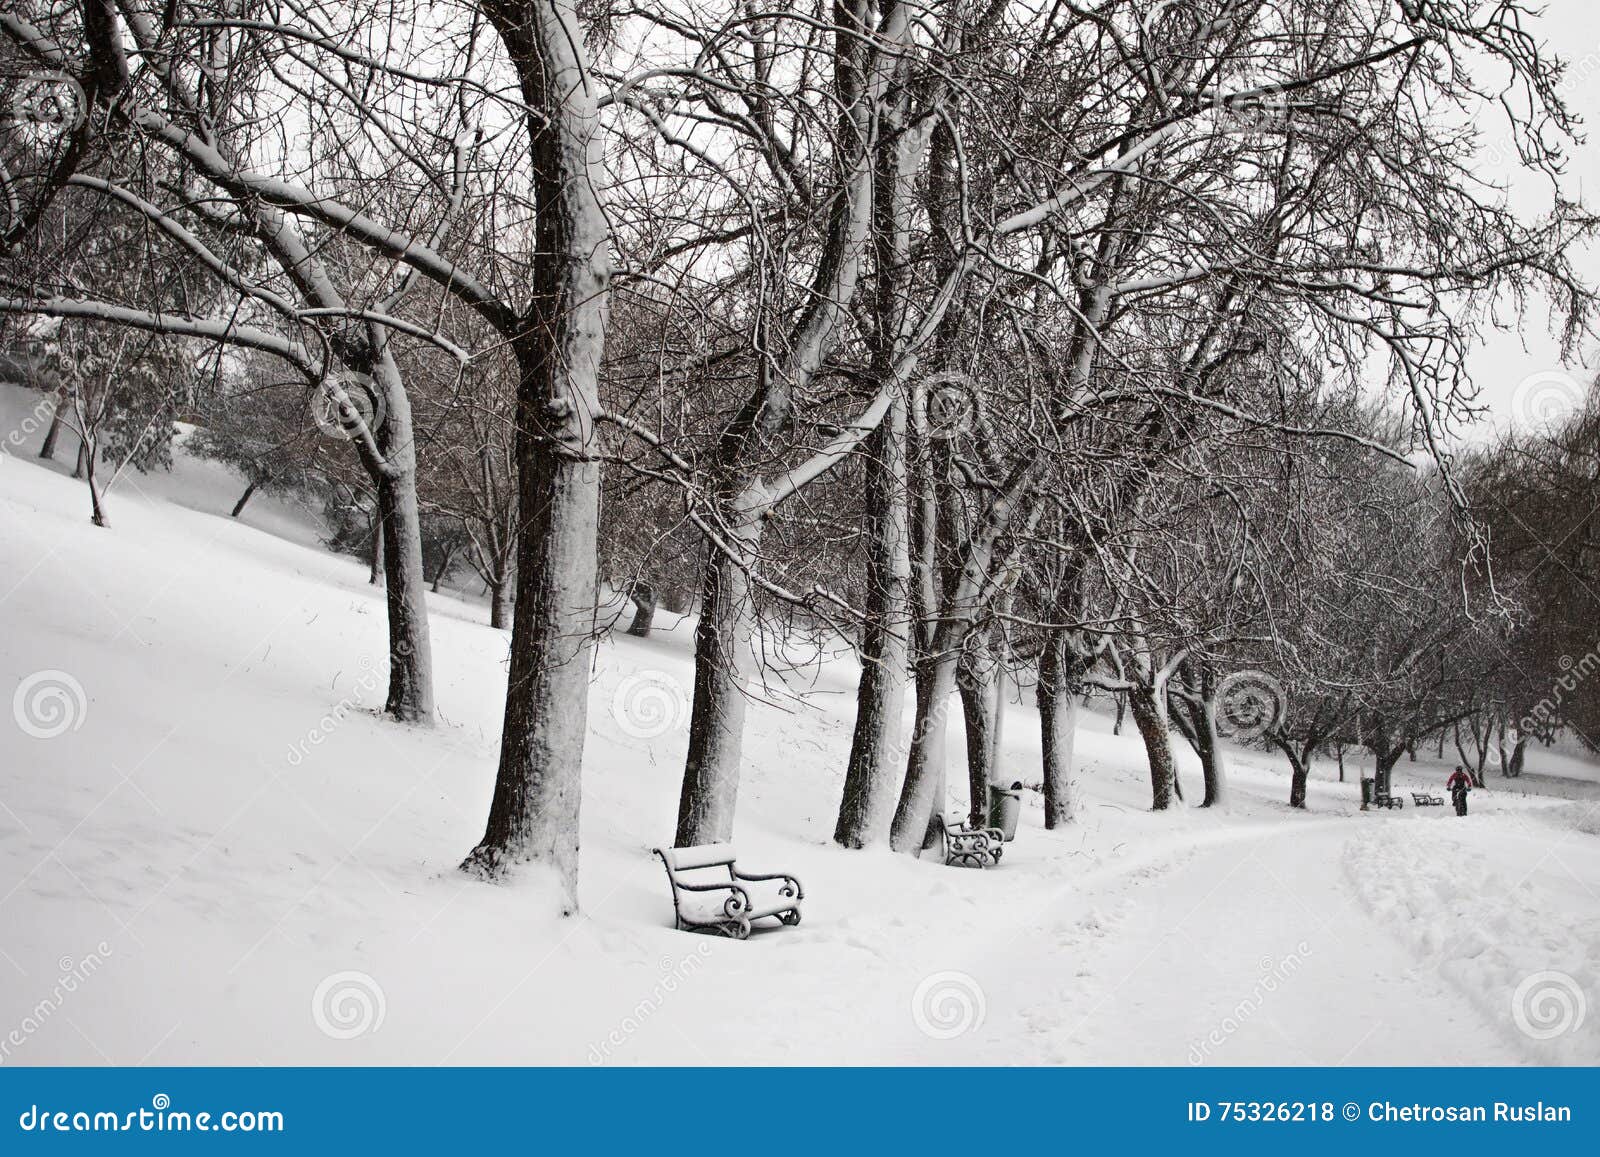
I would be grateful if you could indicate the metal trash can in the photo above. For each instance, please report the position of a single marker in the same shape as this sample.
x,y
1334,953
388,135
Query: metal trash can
x,y
1368,791
1005,808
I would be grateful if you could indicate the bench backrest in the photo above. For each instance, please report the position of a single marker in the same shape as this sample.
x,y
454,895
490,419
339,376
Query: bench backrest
x,y
704,856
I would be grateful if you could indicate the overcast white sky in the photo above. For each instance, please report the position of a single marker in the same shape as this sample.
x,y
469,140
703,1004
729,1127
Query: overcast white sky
x,y
1506,360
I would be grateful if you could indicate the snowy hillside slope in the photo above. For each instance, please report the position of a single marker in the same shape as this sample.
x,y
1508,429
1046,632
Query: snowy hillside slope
x,y
219,853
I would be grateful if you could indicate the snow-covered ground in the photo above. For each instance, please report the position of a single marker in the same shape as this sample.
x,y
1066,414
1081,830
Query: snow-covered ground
x,y
226,856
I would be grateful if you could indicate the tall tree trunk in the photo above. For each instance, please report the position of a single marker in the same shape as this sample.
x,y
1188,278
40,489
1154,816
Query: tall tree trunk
x,y
1518,753
922,794
710,790
442,569
48,450
1299,768
869,779
1151,720
87,461
976,682
375,548
499,589
1058,729
83,458
1385,769
533,818
1213,761
644,609
1299,775
244,499
410,696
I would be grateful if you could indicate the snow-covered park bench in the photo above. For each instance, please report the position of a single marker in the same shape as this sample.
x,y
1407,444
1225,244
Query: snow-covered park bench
x,y
972,847
1386,800
697,872
1423,799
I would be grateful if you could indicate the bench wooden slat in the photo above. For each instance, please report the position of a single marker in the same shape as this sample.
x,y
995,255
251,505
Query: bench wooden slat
x,y
704,856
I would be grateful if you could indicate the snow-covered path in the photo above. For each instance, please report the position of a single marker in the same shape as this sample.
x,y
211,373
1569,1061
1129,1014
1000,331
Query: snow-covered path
x,y
1246,949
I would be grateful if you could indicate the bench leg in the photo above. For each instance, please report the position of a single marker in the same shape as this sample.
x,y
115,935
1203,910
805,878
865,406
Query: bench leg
x,y
791,917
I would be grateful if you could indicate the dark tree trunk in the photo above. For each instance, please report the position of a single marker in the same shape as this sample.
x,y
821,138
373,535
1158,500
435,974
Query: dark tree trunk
x,y
533,818
644,609
1213,762
499,589
1299,769
443,568
716,728
52,435
399,536
97,510
869,779
244,500
1384,774
1152,724
975,679
375,550
1518,753
1297,781
922,794
1058,729
80,469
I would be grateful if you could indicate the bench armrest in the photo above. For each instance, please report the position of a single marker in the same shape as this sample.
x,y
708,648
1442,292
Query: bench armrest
x,y
790,881
734,904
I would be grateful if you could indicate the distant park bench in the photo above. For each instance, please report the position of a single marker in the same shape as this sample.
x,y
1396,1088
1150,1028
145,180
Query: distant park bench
x,y
1423,799
1384,799
697,870
972,847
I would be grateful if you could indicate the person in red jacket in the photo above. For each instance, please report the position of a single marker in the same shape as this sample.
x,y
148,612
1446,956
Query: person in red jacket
x,y
1459,783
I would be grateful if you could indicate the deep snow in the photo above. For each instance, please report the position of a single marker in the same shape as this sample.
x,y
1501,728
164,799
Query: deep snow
x,y
226,856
